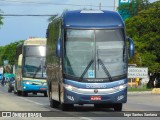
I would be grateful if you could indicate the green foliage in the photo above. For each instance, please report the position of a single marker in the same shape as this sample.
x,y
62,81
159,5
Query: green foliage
x,y
133,8
139,89
1,23
144,29
8,52
136,59
51,18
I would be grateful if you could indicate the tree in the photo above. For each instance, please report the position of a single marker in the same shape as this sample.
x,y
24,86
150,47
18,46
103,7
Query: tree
x,y
132,9
1,23
144,28
51,18
8,52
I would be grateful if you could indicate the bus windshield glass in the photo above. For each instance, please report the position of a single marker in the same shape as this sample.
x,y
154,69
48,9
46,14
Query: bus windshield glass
x,y
95,54
34,61
34,50
34,67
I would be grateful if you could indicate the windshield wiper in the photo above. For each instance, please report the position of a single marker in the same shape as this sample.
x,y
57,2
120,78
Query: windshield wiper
x,y
86,69
105,69
37,71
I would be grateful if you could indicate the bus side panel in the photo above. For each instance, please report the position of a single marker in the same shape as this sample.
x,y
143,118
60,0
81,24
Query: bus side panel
x,y
52,61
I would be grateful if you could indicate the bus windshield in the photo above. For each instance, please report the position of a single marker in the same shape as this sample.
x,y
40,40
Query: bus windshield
x,y
34,50
34,67
95,54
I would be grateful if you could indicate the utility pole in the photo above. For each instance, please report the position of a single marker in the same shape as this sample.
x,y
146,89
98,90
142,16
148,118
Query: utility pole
x,y
99,6
115,5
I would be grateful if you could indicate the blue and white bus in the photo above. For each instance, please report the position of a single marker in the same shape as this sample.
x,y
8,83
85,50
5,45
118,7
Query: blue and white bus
x,y
87,59
30,75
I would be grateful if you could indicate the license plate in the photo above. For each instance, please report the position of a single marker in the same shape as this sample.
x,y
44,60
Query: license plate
x,y
96,98
42,88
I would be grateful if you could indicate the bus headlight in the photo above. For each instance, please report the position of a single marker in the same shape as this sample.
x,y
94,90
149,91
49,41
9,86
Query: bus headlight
x,y
26,82
70,87
121,87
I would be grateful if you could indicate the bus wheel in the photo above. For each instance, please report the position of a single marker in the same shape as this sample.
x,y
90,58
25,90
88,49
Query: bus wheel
x,y
66,107
24,94
53,103
19,93
45,94
117,107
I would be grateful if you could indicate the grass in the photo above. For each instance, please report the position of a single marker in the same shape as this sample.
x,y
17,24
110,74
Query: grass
x,y
139,89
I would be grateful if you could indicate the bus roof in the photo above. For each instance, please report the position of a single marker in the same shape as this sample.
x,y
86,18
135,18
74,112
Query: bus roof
x,y
35,41
92,19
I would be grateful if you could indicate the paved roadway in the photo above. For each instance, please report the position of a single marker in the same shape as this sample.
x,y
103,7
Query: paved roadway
x,y
136,102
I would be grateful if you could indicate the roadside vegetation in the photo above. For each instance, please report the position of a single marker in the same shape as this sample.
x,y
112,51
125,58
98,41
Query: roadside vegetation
x,y
8,52
143,26
139,89
1,23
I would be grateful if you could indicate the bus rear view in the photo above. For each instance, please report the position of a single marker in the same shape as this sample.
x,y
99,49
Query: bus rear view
x,y
94,53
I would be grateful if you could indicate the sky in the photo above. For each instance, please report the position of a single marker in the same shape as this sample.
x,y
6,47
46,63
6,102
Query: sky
x,y
17,28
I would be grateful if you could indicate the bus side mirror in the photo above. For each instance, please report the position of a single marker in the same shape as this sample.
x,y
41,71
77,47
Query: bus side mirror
x,y
47,33
20,60
58,48
131,47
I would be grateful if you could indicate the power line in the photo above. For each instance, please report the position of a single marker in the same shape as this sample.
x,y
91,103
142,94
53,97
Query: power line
x,y
49,3
49,15
18,15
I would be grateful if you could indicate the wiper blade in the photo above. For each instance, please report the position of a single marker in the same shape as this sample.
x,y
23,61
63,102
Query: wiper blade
x,y
86,69
37,71
105,70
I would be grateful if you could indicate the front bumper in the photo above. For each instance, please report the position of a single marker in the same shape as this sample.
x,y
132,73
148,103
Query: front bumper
x,y
34,88
119,96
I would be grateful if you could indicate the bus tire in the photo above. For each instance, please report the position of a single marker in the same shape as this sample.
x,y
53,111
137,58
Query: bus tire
x,y
24,94
66,107
117,107
19,93
45,94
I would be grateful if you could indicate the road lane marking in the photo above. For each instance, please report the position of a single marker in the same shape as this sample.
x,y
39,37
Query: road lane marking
x,y
25,99
85,118
32,101
142,104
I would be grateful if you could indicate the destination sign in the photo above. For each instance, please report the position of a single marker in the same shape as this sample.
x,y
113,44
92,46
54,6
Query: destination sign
x,y
137,72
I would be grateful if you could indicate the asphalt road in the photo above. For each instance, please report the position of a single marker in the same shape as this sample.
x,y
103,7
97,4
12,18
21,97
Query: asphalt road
x,y
136,102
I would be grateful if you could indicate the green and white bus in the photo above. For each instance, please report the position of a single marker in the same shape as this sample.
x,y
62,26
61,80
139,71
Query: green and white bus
x,y
30,75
